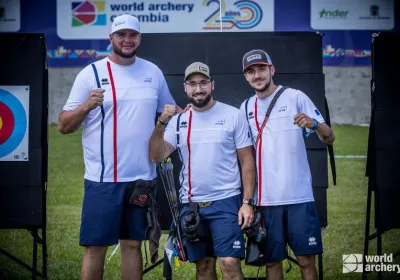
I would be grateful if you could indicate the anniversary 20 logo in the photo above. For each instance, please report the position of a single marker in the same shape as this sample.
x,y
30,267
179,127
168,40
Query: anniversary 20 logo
x,y
244,15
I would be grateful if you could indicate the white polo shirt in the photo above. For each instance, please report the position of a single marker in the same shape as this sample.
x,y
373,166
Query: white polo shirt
x,y
283,172
208,142
116,136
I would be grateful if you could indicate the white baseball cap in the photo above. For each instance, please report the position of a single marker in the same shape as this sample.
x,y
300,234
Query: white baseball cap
x,y
125,21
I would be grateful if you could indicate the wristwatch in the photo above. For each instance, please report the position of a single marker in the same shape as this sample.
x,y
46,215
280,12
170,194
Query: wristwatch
x,y
249,201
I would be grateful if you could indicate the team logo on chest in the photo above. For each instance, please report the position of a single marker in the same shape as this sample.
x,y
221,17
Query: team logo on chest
x,y
251,115
283,108
104,81
148,79
220,122
183,124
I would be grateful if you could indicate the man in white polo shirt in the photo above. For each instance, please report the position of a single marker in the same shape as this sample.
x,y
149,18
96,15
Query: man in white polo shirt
x,y
284,189
116,100
210,137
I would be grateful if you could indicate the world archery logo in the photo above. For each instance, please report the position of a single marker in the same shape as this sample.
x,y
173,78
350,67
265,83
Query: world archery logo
x,y
245,15
88,13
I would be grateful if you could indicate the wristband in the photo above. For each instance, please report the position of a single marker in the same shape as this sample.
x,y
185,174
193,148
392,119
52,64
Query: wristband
x,y
315,124
314,128
164,124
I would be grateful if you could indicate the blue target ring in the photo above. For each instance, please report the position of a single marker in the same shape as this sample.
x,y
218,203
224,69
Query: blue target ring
x,y
20,123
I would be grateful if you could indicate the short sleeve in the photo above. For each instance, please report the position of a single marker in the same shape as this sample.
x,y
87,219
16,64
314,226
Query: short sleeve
x,y
80,90
170,132
242,133
306,106
164,95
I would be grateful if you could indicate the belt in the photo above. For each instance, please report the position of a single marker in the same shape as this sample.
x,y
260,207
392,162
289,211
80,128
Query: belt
x,y
200,204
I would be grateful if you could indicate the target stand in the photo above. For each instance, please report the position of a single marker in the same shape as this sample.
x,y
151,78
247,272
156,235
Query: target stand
x,y
383,152
23,142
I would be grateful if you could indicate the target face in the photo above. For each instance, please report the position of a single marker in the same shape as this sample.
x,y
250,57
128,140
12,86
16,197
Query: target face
x,y
14,108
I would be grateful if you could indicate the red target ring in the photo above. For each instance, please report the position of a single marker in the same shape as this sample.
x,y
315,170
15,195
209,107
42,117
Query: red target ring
x,y
6,122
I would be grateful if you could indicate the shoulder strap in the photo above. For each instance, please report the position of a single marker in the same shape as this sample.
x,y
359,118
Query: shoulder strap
x,y
271,106
102,126
178,119
246,105
96,75
177,128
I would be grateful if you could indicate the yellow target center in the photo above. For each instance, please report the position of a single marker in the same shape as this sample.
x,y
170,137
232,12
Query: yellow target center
x,y
1,123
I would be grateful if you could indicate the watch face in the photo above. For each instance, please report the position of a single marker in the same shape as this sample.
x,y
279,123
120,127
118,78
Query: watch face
x,y
252,202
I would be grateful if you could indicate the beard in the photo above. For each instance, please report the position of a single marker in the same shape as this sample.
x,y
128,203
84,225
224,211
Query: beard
x,y
118,51
202,103
265,87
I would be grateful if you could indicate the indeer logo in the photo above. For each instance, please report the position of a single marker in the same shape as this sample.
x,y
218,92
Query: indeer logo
x,y
251,115
333,14
312,241
236,244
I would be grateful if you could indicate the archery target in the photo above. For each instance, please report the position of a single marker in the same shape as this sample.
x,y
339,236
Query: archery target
x,y
14,112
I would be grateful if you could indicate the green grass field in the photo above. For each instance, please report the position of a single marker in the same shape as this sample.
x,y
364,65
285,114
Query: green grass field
x,y
344,234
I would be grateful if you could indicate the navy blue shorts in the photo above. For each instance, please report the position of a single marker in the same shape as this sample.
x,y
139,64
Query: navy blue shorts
x,y
294,224
107,216
226,237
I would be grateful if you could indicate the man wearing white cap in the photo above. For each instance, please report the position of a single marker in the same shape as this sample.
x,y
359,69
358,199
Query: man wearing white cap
x,y
277,117
116,100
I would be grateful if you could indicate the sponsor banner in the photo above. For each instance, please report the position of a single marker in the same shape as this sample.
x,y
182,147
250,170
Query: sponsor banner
x,y
352,15
10,15
340,47
82,19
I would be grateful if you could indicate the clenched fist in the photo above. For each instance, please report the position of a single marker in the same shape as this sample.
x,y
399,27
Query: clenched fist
x,y
95,99
168,113
303,121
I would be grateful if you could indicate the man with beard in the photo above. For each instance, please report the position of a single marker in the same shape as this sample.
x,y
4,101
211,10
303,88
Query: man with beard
x,y
116,100
210,137
284,186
